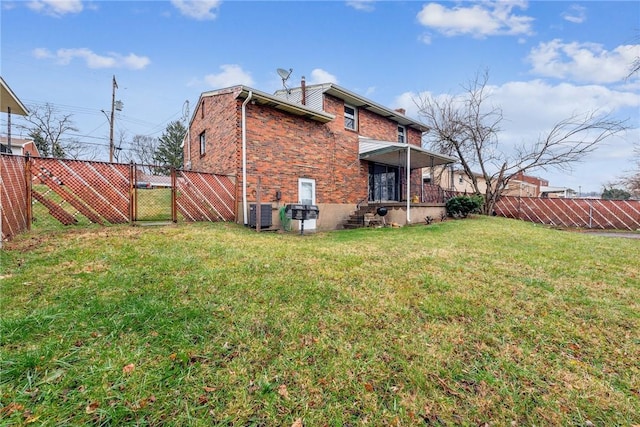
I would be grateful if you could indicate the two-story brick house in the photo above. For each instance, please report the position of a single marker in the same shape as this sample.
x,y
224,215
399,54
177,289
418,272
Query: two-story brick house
x,y
316,144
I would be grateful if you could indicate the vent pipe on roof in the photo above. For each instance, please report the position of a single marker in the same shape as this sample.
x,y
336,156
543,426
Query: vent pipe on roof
x,y
303,88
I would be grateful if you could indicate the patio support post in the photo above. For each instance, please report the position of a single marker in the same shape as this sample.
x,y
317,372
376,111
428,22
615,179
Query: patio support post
x,y
408,184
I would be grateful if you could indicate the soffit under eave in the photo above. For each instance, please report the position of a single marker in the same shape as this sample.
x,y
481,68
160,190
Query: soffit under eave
x,y
9,100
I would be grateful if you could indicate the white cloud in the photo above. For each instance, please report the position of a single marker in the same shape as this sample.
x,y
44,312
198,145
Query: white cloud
x,y
200,10
479,20
532,107
576,14
230,75
318,75
530,110
425,38
582,62
364,5
93,60
55,8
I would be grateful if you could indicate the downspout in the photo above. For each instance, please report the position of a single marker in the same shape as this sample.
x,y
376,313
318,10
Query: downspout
x,y
189,146
245,213
408,184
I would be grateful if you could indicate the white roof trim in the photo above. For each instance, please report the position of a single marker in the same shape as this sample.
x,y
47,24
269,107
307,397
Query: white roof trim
x,y
9,99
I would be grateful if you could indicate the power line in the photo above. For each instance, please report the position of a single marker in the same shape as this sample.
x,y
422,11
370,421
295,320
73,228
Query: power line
x,y
155,126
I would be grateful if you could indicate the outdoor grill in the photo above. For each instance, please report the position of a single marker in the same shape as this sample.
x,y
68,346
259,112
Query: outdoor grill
x,y
302,213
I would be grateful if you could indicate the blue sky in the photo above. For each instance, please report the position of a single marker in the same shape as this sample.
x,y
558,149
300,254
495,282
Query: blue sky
x,y
546,60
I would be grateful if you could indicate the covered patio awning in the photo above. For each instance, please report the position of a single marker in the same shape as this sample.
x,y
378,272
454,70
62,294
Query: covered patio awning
x,y
9,102
401,155
395,154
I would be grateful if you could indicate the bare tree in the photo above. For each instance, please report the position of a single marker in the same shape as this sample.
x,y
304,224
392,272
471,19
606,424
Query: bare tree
x,y
74,149
118,152
466,128
631,181
142,150
50,129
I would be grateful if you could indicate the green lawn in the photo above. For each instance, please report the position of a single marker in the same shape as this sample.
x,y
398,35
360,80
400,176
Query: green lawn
x,y
486,320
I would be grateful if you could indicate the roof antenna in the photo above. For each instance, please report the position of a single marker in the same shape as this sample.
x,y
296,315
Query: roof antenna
x,y
284,74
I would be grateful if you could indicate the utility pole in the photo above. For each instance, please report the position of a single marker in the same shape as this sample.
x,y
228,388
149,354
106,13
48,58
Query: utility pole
x,y
113,106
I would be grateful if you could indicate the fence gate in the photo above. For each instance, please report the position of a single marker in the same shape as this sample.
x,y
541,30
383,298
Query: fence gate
x,y
153,195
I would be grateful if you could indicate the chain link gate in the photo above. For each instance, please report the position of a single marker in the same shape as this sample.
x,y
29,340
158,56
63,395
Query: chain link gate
x,y
153,197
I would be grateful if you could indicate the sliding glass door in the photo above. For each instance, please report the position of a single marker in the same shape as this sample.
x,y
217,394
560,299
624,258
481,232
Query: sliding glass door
x,y
383,183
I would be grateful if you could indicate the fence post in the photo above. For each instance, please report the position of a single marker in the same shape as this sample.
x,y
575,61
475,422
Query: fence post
x,y
28,182
174,211
590,214
132,193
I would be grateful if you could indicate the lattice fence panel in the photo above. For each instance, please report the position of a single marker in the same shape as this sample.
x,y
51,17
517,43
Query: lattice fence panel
x,y
581,213
432,193
99,191
14,196
205,197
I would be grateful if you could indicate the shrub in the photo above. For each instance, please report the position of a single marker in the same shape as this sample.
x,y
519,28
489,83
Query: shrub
x,y
462,206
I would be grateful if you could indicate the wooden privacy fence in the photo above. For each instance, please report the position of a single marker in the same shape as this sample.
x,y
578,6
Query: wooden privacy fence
x,y
108,193
580,213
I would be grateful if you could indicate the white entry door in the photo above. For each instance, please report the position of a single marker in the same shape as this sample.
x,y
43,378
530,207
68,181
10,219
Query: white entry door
x,y
307,196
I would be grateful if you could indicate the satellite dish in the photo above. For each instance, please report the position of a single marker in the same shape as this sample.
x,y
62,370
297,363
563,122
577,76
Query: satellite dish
x,y
284,74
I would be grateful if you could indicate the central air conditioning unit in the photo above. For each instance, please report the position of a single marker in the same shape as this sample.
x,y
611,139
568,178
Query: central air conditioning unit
x,y
265,215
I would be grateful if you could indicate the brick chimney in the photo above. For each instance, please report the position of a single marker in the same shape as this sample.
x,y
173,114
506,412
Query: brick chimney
x,y
401,111
303,89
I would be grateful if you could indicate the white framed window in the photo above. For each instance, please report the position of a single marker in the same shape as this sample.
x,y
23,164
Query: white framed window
x,y
350,117
203,144
402,134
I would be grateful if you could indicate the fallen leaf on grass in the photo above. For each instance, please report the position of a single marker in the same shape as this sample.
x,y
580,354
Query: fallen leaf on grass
x,y
31,419
128,368
146,401
282,391
55,375
11,408
297,423
209,389
368,387
92,407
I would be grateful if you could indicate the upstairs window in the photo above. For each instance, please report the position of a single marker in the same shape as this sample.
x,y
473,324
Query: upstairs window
x,y
350,119
402,134
203,145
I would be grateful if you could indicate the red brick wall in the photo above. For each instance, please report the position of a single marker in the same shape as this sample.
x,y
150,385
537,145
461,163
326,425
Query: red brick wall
x,y
282,147
221,124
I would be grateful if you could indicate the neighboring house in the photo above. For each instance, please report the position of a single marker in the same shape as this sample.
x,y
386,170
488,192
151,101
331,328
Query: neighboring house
x,y
453,179
532,186
10,104
144,180
19,146
520,184
316,144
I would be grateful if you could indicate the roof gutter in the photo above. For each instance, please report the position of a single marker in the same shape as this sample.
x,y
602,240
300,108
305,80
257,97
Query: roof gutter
x,y
245,214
